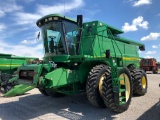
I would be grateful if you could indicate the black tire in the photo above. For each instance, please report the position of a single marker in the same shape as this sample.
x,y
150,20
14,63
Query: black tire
x,y
43,91
108,94
5,85
93,84
54,94
155,72
140,83
130,67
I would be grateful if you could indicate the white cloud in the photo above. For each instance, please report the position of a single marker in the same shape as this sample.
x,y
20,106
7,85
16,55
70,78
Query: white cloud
x,y
151,36
137,22
148,56
28,42
143,25
42,10
151,52
8,6
26,18
154,46
31,40
142,2
36,51
2,27
128,27
59,8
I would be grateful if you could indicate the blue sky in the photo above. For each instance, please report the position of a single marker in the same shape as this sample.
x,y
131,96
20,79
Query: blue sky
x,y
139,19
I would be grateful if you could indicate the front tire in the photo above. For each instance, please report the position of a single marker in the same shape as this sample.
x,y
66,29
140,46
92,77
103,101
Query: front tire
x,y
54,94
94,85
108,94
42,91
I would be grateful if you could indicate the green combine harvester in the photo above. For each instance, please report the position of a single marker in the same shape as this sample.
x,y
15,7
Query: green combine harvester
x,y
86,57
8,68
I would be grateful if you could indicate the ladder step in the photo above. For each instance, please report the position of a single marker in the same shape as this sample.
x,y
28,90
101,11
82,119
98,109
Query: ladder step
x,y
119,68
122,90
122,97
120,79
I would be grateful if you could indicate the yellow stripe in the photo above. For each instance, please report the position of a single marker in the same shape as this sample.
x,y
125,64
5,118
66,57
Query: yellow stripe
x,y
11,65
124,58
128,58
99,56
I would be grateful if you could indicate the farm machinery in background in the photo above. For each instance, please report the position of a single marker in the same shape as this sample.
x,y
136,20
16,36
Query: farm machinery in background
x,y
8,68
149,64
86,57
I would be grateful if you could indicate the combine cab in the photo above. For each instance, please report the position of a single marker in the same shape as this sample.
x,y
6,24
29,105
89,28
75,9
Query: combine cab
x,y
86,57
149,64
8,68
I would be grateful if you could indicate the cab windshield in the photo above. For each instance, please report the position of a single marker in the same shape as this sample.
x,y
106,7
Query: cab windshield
x,y
59,37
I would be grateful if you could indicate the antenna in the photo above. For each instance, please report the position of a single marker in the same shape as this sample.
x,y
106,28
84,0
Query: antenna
x,y
64,7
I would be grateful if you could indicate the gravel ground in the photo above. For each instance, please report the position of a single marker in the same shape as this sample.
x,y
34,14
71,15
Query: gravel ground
x,y
36,106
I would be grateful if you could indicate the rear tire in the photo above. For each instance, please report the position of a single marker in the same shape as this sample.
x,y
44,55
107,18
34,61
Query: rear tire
x,y
94,85
108,94
140,83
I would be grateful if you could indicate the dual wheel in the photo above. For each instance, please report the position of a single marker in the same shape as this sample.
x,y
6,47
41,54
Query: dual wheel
x,y
99,87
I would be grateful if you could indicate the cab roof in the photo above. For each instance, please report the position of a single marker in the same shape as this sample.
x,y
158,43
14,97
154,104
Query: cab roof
x,y
56,15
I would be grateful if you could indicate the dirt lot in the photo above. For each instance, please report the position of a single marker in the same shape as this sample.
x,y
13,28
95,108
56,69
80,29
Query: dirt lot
x,y
36,106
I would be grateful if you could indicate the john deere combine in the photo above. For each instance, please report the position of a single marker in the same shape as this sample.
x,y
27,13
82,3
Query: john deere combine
x,y
86,57
8,67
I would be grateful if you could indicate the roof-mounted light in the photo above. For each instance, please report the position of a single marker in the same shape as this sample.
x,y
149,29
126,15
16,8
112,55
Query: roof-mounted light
x,y
46,20
55,18
50,19
39,24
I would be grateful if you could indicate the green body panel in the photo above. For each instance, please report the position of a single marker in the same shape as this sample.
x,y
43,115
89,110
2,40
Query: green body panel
x,y
67,73
10,63
61,77
36,68
7,64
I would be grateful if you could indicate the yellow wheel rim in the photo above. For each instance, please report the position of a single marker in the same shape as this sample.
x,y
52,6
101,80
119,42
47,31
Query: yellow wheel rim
x,y
144,83
125,82
100,83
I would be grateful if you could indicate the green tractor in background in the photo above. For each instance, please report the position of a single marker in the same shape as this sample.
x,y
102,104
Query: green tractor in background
x,y
8,67
86,57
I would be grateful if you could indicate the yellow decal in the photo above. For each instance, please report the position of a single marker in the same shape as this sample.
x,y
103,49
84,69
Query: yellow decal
x,y
129,58
10,65
99,56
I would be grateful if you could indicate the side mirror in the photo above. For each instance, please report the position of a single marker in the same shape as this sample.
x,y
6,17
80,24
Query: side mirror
x,y
142,48
38,36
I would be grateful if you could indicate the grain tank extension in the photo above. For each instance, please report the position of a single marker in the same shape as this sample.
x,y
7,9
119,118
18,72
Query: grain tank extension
x,y
86,57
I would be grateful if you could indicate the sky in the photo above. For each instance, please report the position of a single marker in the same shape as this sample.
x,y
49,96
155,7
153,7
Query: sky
x,y
139,19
